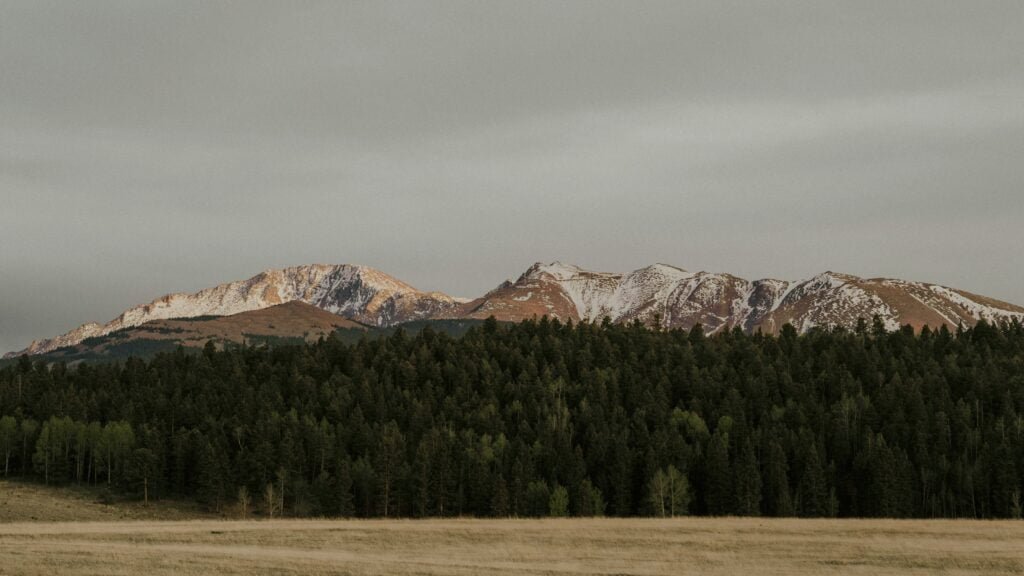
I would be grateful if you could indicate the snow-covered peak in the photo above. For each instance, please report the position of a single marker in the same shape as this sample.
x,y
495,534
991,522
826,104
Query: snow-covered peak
x,y
358,292
554,270
978,307
826,281
663,270
676,297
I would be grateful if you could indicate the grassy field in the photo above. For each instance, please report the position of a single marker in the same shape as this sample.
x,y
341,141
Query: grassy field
x,y
25,502
599,546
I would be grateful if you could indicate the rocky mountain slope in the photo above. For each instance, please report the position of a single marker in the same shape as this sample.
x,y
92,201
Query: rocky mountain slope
x,y
673,297
291,321
357,292
682,299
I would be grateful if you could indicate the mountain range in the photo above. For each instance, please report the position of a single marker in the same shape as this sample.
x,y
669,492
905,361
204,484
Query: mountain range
x,y
360,296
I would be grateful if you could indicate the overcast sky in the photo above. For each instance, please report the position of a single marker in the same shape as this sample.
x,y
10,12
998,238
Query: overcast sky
x,y
151,147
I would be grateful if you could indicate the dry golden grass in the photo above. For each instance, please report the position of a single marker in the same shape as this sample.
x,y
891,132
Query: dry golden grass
x,y
600,546
710,546
33,503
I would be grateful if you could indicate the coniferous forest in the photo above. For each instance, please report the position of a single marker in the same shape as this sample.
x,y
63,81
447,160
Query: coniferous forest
x,y
544,419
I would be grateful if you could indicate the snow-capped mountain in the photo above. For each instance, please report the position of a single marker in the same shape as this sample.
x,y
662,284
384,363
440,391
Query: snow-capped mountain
x,y
289,322
682,299
678,297
832,299
673,297
357,292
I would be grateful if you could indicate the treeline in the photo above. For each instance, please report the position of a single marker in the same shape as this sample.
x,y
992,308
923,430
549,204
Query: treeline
x,y
543,418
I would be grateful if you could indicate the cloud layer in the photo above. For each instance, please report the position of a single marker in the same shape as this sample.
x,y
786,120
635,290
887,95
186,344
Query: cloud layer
x,y
155,147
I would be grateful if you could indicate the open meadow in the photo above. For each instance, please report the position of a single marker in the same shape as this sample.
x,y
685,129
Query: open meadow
x,y
641,547
108,544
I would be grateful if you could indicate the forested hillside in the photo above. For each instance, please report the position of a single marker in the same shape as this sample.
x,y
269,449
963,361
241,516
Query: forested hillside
x,y
543,418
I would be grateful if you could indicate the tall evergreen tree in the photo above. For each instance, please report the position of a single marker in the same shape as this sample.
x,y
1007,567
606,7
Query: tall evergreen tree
x,y
719,477
748,482
343,489
778,501
812,491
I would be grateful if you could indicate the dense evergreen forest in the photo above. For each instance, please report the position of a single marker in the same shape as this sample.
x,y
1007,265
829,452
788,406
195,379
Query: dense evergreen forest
x,y
543,418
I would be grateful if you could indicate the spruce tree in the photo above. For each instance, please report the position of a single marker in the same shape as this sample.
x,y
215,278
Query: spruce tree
x,y
718,476
343,489
500,501
748,482
812,492
778,501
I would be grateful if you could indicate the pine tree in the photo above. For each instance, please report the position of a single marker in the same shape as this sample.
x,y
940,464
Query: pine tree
x,y
343,488
591,503
212,481
500,501
538,499
812,492
778,501
748,482
718,476
622,478
389,456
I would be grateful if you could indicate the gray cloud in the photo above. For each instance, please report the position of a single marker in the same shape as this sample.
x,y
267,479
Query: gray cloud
x,y
165,146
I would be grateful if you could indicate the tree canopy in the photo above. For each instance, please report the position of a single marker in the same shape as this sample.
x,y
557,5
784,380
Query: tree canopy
x,y
544,418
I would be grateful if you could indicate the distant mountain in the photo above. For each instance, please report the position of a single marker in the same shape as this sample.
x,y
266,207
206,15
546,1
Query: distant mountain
x,y
293,321
675,297
356,292
682,299
679,298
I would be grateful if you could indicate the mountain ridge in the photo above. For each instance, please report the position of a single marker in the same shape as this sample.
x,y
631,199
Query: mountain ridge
x,y
672,296
292,321
360,293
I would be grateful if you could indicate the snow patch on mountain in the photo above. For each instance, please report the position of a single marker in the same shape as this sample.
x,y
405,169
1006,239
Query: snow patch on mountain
x,y
676,297
357,292
977,310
